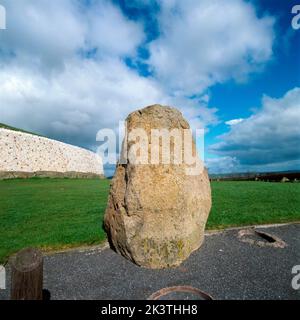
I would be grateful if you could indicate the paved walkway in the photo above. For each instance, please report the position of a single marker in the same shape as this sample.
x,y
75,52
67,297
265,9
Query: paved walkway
x,y
224,267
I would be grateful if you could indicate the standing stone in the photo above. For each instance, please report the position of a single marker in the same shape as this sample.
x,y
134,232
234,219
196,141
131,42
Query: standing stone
x,y
156,213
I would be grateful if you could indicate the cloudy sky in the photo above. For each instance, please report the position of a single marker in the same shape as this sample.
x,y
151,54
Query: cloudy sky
x,y
71,67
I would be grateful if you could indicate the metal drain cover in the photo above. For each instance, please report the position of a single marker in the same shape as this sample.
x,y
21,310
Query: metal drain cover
x,y
180,293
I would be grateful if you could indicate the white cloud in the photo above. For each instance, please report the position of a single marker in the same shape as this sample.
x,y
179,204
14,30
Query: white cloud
x,y
49,85
42,32
206,42
85,97
221,165
227,164
75,103
271,136
234,122
111,31
47,33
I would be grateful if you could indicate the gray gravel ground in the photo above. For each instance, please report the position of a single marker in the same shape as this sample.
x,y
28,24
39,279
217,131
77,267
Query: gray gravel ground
x,y
224,267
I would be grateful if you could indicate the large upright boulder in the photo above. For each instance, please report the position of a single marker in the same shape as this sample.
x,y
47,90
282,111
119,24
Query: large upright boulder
x,y
156,213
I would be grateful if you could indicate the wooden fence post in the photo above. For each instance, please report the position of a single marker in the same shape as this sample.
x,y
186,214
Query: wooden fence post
x,y
27,275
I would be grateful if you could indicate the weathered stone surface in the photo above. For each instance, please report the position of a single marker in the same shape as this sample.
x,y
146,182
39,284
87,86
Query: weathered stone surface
x,y
156,214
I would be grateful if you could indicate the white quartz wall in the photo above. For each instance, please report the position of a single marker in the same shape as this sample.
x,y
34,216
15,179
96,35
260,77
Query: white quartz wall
x,y
24,152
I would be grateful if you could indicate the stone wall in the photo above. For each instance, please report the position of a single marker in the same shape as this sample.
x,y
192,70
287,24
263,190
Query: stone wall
x,y
25,155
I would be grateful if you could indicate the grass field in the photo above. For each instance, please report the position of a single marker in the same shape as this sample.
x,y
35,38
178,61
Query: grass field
x,y
62,213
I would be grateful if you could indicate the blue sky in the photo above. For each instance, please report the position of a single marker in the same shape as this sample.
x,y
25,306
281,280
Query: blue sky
x,y
71,67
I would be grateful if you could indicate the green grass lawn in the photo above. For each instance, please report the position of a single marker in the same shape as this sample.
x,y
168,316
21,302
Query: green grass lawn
x,y
238,203
62,213
51,213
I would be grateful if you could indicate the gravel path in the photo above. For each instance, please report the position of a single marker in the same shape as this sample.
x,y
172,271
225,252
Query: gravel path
x,y
224,267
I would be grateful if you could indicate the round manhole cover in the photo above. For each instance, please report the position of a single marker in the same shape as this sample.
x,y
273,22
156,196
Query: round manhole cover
x,y
180,293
